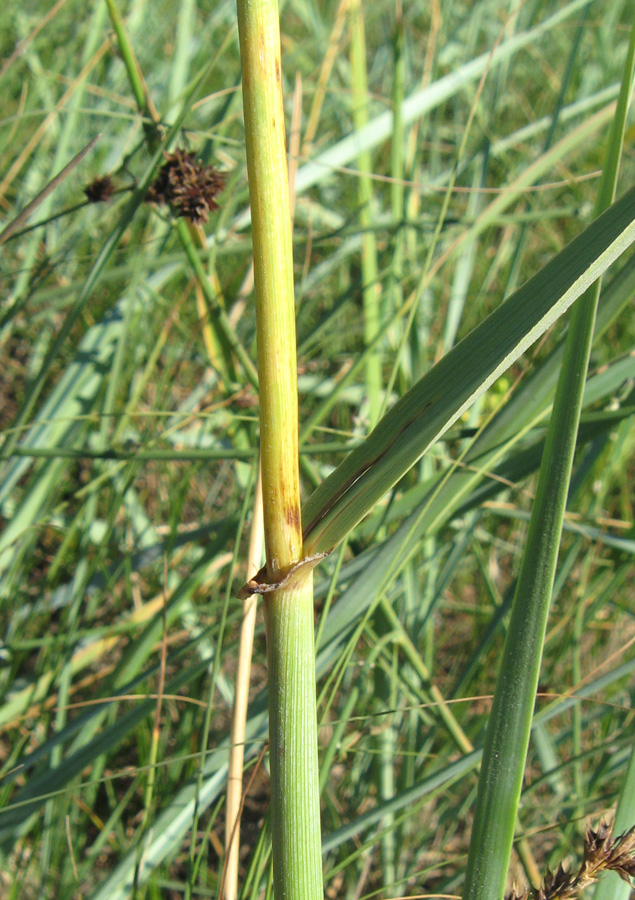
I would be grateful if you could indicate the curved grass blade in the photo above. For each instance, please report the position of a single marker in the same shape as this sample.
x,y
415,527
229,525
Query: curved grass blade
x,y
446,391
526,407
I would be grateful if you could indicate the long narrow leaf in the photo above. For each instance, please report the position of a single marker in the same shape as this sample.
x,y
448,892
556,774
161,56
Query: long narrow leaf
x,y
507,736
446,391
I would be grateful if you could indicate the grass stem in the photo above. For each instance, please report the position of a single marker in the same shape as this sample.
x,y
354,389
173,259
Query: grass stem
x,y
288,610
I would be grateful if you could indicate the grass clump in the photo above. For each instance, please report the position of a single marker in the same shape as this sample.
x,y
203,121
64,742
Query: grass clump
x,y
440,158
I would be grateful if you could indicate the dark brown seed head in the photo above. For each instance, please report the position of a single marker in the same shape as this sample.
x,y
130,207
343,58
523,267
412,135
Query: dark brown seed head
x,y
188,186
99,189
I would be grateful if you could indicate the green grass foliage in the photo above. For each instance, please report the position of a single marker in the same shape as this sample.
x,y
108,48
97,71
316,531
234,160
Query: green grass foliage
x,y
129,416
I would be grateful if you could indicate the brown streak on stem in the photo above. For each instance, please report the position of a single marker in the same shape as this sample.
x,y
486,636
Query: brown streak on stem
x,y
356,477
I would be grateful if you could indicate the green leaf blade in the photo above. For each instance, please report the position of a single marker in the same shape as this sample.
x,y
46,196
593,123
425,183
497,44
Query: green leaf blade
x,y
446,391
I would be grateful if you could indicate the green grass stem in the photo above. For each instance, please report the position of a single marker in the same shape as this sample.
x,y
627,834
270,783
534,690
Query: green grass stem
x,y
371,287
297,862
507,737
295,795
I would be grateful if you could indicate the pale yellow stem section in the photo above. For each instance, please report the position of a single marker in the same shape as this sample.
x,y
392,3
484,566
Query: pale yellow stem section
x,y
237,753
273,275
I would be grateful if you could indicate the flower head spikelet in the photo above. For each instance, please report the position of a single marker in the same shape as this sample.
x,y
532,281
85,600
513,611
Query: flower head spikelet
x,y
187,185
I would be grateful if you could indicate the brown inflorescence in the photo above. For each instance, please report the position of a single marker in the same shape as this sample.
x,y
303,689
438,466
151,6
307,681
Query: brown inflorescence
x,y
602,853
99,189
188,186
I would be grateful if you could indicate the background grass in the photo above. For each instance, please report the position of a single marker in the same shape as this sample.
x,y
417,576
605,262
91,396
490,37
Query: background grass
x,y
131,469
